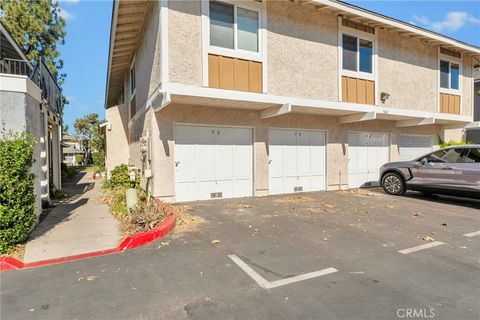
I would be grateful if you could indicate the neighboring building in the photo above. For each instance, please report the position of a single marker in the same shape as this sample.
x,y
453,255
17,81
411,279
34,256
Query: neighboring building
x,y
215,99
30,99
72,146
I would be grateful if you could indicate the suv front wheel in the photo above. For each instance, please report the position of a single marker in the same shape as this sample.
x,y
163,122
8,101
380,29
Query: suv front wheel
x,y
393,183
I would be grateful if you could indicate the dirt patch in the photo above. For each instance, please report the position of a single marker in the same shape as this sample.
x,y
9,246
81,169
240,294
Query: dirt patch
x,y
235,205
294,199
186,220
362,192
17,252
323,207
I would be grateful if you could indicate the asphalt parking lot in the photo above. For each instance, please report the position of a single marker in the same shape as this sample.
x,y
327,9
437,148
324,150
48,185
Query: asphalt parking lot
x,y
324,255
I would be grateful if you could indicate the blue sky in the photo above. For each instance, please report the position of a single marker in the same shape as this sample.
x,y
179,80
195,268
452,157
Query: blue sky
x,y
88,25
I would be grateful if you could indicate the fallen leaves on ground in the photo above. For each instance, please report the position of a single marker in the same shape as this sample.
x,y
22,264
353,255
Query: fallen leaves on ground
x,y
88,278
16,252
444,224
427,238
216,242
417,214
186,221
361,192
294,199
235,205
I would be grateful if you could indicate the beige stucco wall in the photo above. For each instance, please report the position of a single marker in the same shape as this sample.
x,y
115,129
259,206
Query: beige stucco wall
x,y
467,86
302,51
147,57
302,57
408,71
116,149
185,42
139,127
337,137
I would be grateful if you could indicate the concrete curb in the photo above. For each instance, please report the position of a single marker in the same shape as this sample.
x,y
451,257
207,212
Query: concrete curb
x,y
139,239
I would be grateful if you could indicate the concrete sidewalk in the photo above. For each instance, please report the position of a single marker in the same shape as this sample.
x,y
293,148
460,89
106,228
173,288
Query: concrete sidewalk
x,y
78,224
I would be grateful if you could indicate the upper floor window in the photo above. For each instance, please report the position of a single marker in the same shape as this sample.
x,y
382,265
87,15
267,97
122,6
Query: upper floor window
x,y
449,75
133,96
357,54
132,80
234,27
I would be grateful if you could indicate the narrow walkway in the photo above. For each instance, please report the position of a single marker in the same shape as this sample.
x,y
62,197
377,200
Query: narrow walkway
x,y
78,224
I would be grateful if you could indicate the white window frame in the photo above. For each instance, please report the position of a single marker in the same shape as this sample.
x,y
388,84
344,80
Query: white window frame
x,y
132,66
450,60
357,74
260,56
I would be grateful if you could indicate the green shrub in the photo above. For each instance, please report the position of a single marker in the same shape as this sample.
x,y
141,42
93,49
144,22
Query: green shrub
x,y
17,200
119,177
99,158
444,144
79,158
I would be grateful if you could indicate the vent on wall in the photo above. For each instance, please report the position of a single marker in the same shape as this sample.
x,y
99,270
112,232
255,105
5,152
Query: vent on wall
x,y
215,195
297,189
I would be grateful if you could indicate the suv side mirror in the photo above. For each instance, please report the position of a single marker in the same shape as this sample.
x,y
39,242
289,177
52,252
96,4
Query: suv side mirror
x,y
424,161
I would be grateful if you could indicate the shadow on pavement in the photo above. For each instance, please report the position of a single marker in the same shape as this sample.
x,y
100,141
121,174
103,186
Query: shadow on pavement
x,y
457,201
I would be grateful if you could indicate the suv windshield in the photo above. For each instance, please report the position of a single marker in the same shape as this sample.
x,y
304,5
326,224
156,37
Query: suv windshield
x,y
445,155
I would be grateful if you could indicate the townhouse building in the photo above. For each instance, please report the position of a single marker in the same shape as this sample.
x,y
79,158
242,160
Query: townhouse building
x,y
30,100
224,99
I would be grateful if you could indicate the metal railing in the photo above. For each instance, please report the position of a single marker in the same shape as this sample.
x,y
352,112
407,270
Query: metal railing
x,y
14,66
51,92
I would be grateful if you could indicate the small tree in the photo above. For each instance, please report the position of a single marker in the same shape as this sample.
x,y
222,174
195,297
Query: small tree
x,y
87,128
17,200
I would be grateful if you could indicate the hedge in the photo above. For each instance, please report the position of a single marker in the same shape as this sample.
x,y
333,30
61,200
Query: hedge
x,y
17,200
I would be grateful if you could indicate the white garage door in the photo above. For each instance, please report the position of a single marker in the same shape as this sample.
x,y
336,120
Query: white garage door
x,y
366,153
213,162
413,146
296,160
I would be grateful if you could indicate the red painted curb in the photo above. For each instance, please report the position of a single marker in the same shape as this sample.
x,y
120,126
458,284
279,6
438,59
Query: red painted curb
x,y
139,239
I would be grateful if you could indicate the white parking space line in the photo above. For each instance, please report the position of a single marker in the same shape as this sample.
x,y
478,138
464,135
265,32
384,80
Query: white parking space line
x,y
262,282
421,247
472,234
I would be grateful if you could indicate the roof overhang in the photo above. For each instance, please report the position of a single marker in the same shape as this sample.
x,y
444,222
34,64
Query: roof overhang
x,y
127,21
272,106
374,19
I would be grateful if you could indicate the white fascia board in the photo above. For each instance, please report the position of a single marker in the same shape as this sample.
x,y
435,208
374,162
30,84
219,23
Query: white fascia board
x,y
106,124
22,84
415,122
276,111
358,117
395,23
113,30
176,89
161,101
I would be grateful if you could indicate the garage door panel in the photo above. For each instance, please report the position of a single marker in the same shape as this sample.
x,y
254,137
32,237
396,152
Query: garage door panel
x,y
317,153
213,160
242,150
289,153
187,190
317,182
241,188
413,146
302,159
204,154
275,153
224,154
366,153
